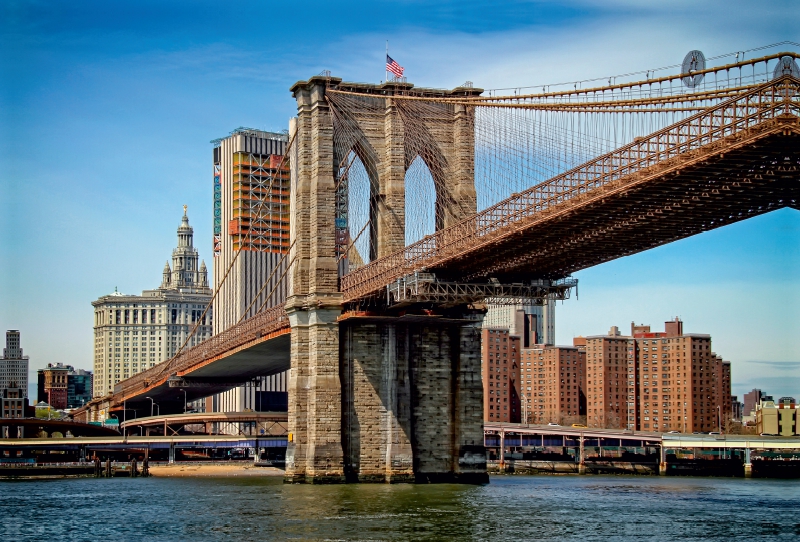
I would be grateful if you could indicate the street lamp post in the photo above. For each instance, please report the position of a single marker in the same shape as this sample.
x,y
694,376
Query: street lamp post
x,y
719,418
152,404
184,400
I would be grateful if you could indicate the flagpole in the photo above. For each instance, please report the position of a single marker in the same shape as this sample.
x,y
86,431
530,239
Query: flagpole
x,y
386,72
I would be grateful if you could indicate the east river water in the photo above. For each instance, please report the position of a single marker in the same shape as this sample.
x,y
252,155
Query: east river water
x,y
510,508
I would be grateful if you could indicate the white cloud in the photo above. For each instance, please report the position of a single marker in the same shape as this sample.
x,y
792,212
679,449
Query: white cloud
x,y
628,36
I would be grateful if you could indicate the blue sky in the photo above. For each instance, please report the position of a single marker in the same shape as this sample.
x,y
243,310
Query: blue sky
x,y
107,109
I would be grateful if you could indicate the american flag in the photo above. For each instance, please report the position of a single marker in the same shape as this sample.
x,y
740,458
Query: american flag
x,y
394,67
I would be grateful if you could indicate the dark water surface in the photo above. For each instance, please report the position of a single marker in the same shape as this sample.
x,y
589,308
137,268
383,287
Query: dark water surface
x,y
510,508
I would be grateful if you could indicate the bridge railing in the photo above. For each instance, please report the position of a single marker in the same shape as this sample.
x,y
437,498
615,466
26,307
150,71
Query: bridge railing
x,y
263,323
746,111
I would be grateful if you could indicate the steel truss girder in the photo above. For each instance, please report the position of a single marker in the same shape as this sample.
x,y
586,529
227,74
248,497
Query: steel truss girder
x,y
426,288
487,244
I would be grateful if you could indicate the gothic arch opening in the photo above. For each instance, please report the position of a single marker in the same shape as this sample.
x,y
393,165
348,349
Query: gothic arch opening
x,y
356,228
421,201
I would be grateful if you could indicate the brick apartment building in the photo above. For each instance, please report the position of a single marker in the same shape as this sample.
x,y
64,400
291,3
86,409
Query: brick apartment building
x,y
540,384
500,373
552,380
607,386
656,381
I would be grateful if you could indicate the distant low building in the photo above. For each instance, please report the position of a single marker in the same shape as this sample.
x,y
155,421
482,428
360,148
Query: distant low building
x,y
79,388
736,409
13,402
52,389
780,418
55,385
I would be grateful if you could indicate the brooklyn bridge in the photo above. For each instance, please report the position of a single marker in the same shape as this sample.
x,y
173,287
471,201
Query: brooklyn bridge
x,y
412,208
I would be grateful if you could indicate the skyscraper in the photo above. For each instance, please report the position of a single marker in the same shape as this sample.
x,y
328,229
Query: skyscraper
x,y
13,377
751,399
133,333
251,239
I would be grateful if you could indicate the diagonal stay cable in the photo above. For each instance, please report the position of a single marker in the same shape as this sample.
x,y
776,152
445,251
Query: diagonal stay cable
x,y
255,298
353,243
168,364
278,283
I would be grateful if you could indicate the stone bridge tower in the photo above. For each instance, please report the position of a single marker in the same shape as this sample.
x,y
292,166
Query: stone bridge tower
x,y
378,397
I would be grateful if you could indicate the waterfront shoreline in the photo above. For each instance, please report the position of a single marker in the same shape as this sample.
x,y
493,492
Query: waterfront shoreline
x,y
212,470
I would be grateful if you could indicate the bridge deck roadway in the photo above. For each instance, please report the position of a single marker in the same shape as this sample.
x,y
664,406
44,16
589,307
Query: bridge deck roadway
x,y
205,417
151,441
568,431
241,423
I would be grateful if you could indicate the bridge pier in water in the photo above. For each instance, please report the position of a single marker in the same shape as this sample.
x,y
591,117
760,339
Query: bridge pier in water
x,y
314,452
385,399
411,400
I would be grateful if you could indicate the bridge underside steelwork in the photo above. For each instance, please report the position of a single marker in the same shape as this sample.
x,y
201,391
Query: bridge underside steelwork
x,y
267,357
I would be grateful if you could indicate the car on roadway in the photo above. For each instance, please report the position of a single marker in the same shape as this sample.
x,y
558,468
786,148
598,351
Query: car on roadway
x,y
674,432
554,424
579,426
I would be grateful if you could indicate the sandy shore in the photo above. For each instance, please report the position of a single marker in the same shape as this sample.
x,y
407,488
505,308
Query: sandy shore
x,y
212,470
